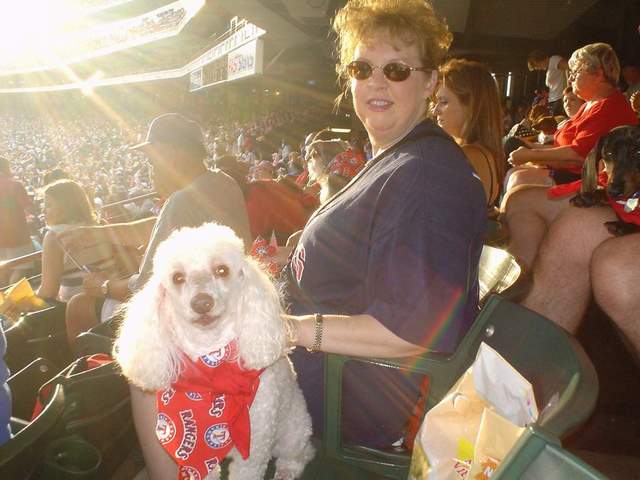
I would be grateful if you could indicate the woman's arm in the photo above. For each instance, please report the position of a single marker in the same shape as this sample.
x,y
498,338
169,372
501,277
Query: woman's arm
x,y
52,267
358,335
554,157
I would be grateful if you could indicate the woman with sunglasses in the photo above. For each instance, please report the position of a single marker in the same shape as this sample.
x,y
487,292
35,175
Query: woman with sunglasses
x,y
468,108
388,266
527,208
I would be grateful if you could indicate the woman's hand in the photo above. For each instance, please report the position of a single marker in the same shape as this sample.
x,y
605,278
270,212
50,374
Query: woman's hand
x,y
92,283
520,156
357,335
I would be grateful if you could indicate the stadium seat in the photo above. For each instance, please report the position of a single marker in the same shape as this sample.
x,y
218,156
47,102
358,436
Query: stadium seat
x,y
498,272
537,455
24,386
564,380
21,456
38,334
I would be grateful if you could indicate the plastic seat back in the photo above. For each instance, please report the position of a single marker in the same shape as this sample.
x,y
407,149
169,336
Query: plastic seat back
x,y
498,271
564,380
21,456
538,456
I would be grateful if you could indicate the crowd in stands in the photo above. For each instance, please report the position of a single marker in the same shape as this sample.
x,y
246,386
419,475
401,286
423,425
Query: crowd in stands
x,y
383,230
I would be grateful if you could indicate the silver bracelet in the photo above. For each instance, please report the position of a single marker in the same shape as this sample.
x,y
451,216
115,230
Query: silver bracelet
x,y
317,335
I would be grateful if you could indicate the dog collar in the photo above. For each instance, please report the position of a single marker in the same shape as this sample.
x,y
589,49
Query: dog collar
x,y
205,413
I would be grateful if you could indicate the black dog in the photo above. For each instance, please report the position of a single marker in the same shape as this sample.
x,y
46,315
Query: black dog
x,y
620,151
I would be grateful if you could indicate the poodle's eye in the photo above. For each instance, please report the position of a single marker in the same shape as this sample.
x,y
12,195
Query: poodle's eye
x,y
221,271
178,278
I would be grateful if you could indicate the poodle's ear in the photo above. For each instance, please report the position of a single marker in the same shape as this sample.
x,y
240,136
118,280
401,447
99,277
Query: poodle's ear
x,y
261,332
144,347
590,171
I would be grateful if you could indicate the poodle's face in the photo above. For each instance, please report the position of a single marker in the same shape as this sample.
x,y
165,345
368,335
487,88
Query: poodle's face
x,y
201,277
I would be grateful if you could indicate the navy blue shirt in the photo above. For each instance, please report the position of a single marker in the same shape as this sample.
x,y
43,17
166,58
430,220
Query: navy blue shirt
x,y
401,243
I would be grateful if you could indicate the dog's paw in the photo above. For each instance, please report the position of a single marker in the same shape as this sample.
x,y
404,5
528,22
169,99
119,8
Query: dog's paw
x,y
590,199
620,228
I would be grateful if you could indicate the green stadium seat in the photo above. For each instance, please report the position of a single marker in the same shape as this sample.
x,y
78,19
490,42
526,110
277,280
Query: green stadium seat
x,y
564,380
538,455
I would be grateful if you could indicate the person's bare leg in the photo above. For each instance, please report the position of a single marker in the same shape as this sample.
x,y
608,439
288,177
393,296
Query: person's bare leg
x,y
526,175
159,465
528,212
561,282
615,274
80,315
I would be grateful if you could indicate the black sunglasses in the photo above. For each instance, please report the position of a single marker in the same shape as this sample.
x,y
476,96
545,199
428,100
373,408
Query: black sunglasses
x,y
394,71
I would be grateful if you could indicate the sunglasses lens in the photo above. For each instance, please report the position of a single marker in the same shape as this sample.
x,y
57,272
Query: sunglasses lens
x,y
359,70
396,72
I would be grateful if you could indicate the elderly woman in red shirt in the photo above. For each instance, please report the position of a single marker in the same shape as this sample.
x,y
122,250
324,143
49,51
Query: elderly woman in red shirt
x,y
594,71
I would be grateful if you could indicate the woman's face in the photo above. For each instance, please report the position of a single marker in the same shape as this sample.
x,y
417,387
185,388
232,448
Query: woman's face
x,y
585,83
52,211
449,111
387,109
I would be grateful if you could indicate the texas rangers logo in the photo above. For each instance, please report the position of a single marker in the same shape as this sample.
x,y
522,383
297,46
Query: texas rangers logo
x,y
297,262
189,473
214,358
218,436
167,395
165,429
217,407
189,435
193,396
212,464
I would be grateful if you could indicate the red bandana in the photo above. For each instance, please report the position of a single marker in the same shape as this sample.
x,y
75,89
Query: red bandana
x,y
626,208
206,412
264,252
572,188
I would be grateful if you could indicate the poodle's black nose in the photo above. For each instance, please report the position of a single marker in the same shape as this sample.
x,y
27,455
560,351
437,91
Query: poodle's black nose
x,y
202,303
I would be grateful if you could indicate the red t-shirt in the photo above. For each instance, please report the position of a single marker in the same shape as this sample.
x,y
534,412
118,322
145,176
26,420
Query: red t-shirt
x,y
273,206
583,131
13,224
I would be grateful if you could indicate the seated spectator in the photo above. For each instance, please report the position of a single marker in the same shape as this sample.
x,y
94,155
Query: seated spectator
x,y
578,258
15,240
176,150
527,210
66,206
379,265
194,195
468,109
631,76
322,159
594,75
555,78
571,103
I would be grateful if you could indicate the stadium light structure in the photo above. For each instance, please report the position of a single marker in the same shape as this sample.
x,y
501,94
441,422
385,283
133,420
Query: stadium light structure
x,y
37,35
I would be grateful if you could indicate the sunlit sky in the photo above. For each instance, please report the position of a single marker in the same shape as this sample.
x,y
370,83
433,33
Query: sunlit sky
x,y
27,25
44,33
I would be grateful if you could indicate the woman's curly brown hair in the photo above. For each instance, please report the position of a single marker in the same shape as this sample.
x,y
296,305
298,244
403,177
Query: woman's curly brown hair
x,y
412,22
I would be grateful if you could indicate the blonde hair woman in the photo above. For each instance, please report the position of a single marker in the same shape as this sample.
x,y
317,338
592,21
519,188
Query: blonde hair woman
x,y
468,108
528,211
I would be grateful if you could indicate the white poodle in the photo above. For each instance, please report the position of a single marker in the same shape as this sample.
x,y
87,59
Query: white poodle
x,y
203,296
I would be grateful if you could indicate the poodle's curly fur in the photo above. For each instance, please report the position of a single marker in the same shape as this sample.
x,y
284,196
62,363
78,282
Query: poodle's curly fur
x,y
162,323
